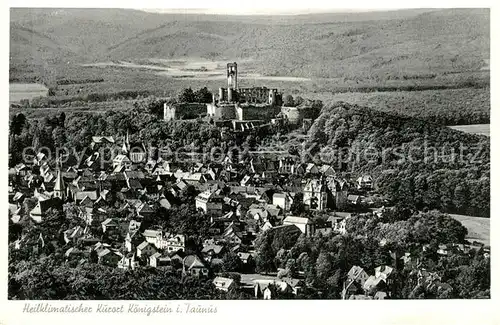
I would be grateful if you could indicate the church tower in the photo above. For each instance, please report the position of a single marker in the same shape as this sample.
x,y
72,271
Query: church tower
x,y
59,187
126,145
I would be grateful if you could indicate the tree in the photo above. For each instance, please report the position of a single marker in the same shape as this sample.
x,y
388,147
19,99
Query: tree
x,y
59,136
265,255
288,101
298,101
187,96
231,262
291,267
203,96
324,265
297,207
17,124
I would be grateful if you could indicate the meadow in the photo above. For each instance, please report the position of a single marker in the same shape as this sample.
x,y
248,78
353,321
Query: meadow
x,y
19,91
478,228
483,129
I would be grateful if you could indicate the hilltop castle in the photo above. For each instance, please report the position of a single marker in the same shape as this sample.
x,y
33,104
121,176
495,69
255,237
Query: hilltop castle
x,y
243,107
254,95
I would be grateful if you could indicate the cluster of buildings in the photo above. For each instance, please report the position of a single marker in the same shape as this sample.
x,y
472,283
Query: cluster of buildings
x,y
243,108
241,200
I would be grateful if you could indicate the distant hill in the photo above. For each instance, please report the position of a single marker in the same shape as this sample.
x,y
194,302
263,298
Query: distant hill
x,y
337,45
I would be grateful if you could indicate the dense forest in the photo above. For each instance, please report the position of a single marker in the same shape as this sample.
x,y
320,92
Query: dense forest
x,y
422,164
326,259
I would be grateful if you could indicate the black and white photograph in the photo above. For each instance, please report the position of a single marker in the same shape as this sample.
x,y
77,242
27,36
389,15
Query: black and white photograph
x,y
255,154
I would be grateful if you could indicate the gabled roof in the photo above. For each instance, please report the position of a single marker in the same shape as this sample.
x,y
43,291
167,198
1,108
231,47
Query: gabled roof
x,y
193,261
314,185
222,282
59,185
103,139
243,256
109,222
355,271
297,220
216,248
152,233
143,245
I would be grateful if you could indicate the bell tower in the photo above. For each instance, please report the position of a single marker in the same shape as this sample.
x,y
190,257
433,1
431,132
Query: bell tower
x,y
232,75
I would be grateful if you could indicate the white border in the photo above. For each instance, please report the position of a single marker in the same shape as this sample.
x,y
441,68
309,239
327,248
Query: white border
x,y
252,312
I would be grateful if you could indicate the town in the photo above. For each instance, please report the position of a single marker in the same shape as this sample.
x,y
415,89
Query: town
x,y
263,224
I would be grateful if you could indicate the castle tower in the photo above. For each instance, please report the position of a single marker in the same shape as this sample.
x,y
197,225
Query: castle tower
x,y
232,75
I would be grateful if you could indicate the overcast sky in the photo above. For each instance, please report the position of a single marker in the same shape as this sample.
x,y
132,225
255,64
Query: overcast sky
x,y
255,11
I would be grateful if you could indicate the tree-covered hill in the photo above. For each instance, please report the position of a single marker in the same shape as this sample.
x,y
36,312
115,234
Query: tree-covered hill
x,y
397,44
416,162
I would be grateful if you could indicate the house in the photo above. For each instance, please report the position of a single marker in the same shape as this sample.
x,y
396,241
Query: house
x,y
174,243
159,260
43,205
283,200
268,288
16,213
373,284
224,284
233,235
245,258
380,295
164,202
194,179
357,274
109,224
133,239
289,230
380,281
350,289
383,271
327,170
143,210
354,199
100,140
210,202
305,225
311,169
128,262
365,182
145,249
121,162
192,265
212,251
443,249
315,195
18,198
108,257
264,289
73,234
339,221
153,236
73,252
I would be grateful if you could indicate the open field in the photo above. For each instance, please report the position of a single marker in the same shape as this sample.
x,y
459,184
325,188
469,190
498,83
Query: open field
x,y
371,59
403,44
483,129
479,228
19,91
200,69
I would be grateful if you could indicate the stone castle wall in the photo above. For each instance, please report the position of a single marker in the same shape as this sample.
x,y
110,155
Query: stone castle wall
x,y
183,111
